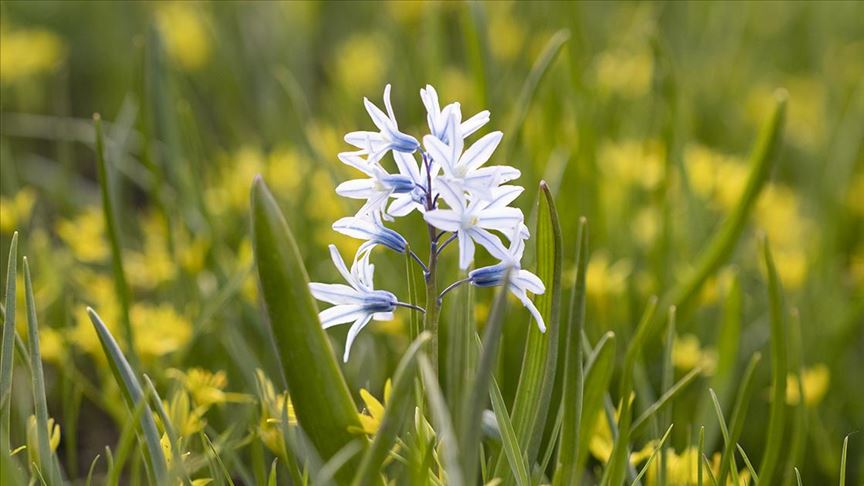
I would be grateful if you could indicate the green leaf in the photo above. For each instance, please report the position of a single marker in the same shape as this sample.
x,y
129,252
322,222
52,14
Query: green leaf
x,y
398,409
749,464
178,468
739,413
777,415
271,479
46,460
798,477
475,399
89,480
666,398
318,390
733,467
652,456
121,288
537,379
443,423
572,379
843,461
701,450
8,349
598,372
133,395
514,454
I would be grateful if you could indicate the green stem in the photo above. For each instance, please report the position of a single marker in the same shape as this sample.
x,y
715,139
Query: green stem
x,y
430,322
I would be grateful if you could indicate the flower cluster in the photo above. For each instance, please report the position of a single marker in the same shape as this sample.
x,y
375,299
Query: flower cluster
x,y
451,186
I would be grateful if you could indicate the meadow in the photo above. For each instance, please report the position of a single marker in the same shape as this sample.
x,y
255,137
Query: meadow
x,y
173,199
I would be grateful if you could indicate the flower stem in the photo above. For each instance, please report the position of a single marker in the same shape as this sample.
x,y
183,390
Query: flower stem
x,y
430,322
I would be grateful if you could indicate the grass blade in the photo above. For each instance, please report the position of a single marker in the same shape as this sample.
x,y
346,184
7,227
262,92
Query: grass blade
x,y
133,394
443,423
701,451
178,468
398,409
321,400
518,463
475,400
666,398
571,403
733,466
46,460
8,349
652,456
749,465
537,379
739,412
777,416
843,461
598,373
121,288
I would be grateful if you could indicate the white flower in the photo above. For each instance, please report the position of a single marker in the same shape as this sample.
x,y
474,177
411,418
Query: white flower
x,y
471,219
438,118
376,144
520,281
405,202
466,168
374,232
377,189
358,301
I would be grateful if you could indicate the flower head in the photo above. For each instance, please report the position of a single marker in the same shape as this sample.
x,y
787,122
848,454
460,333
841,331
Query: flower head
x,y
376,144
373,231
439,119
358,301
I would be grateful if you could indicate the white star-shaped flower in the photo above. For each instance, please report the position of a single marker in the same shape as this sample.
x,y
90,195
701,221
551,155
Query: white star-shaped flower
x,y
376,144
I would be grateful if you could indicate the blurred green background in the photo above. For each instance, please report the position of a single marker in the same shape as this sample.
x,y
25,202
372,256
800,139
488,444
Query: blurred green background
x,y
642,122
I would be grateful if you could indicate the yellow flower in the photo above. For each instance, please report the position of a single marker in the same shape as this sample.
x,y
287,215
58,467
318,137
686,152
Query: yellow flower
x,y
634,162
286,169
32,440
815,381
16,211
184,33
606,279
361,63
85,235
601,443
716,177
273,407
52,345
506,34
646,226
28,52
626,72
159,330
231,191
168,451
682,469
370,421
206,387
185,417
779,214
151,267
687,354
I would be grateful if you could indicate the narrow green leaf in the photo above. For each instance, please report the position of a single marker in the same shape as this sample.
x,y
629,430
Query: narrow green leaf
x,y
89,480
178,468
125,443
215,457
398,409
271,479
739,412
779,370
475,399
748,463
132,394
701,450
666,398
709,471
443,423
6,363
799,427
121,288
571,403
321,399
718,410
46,459
537,379
798,477
843,461
598,373
652,456
510,443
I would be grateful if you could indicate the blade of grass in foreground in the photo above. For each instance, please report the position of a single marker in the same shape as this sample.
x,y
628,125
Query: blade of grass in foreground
x,y
652,456
598,373
8,348
321,400
843,461
572,379
46,462
395,414
443,423
133,394
121,288
739,412
518,463
777,416
537,379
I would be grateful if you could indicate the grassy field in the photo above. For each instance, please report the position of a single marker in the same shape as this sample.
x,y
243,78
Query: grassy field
x,y
700,235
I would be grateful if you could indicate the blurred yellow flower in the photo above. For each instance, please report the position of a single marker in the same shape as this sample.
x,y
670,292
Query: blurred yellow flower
x,y
230,193
606,279
187,418
409,14
273,407
778,213
184,32
15,212
361,64
53,435
370,421
506,33
28,52
601,443
159,329
152,266
634,162
206,387
286,169
625,72
715,177
687,353
646,226
815,381
85,235
52,345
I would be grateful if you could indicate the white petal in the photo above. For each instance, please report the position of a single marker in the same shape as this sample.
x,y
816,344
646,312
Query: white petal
x,y
479,153
389,105
340,266
444,219
376,202
452,193
356,228
379,118
358,326
501,219
528,281
364,139
354,159
382,316
440,153
520,294
504,195
335,293
474,123
489,241
356,188
402,205
466,250
454,139
341,314
407,165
